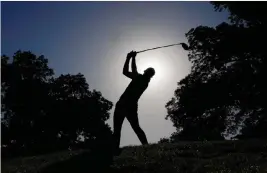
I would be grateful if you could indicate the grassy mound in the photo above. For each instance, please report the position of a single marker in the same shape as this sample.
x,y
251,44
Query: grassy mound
x,y
215,156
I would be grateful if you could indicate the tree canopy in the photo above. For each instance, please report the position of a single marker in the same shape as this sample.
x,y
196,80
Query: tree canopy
x,y
41,112
225,90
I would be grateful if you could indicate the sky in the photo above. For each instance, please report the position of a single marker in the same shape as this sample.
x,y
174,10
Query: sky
x,y
93,38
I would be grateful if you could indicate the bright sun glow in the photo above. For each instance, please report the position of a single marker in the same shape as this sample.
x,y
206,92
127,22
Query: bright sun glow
x,y
152,60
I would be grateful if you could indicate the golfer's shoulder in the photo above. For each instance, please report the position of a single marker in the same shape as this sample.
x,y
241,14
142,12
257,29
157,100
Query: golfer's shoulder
x,y
140,75
137,76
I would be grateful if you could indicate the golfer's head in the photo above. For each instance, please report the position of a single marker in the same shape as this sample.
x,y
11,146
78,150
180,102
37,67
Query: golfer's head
x,y
150,72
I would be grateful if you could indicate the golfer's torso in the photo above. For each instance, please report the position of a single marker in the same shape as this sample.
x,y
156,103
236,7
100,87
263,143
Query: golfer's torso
x,y
134,90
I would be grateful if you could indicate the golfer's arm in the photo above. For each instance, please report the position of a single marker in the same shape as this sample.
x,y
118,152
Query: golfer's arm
x,y
126,68
134,68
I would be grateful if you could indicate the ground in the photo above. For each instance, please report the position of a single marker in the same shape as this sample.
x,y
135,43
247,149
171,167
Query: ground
x,y
215,156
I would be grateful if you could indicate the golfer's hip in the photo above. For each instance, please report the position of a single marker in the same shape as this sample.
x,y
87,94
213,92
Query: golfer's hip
x,y
127,105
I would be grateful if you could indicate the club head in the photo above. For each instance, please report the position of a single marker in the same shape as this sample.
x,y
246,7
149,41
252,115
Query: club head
x,y
185,46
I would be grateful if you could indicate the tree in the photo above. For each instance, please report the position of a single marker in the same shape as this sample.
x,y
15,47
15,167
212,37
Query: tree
x,y
78,111
164,141
225,86
41,113
23,95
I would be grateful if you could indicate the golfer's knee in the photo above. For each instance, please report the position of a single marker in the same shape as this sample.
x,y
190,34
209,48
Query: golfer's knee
x,y
137,128
117,128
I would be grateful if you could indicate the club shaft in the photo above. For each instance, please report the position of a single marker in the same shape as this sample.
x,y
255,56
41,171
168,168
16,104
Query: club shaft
x,y
158,47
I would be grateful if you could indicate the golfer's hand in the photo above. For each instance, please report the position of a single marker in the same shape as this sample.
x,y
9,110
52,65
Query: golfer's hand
x,y
131,54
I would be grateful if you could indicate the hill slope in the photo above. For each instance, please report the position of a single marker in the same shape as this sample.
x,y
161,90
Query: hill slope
x,y
216,156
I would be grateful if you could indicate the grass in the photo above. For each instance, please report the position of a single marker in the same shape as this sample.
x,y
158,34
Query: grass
x,y
215,156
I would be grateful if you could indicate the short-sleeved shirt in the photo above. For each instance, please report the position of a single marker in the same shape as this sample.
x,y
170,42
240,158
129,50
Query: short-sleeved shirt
x,y
135,89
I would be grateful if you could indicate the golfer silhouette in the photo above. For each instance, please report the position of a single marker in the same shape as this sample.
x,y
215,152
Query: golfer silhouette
x,y
127,106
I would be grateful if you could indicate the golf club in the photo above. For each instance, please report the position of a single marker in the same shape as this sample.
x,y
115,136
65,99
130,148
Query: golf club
x,y
185,46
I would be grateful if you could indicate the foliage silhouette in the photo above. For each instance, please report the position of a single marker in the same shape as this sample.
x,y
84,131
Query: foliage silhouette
x,y
225,90
43,113
164,141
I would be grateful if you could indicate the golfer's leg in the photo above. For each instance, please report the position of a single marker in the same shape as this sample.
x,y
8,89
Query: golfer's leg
x,y
117,124
133,119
